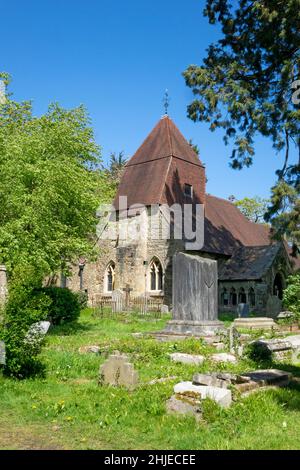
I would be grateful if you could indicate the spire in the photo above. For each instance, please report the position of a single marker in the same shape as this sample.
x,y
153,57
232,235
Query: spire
x,y
166,101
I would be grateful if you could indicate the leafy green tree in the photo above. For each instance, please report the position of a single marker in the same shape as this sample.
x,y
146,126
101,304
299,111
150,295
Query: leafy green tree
x,y
116,166
50,186
291,295
245,87
254,208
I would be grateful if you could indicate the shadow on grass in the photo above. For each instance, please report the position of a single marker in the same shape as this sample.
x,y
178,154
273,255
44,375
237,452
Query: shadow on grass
x,y
69,329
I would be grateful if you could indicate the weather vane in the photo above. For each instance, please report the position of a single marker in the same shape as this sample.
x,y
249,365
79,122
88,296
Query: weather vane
x,y
166,101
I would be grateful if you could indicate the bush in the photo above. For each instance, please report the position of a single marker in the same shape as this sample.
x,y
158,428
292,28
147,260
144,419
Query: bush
x,y
65,305
23,308
291,295
258,353
82,299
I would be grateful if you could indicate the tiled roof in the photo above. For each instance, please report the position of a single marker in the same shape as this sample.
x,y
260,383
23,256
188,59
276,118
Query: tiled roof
x,y
157,172
249,263
226,228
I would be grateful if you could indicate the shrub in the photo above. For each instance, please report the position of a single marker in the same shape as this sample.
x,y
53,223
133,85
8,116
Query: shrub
x,y
291,295
65,305
23,308
82,299
258,353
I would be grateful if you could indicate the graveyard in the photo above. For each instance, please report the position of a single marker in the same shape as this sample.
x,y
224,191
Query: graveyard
x,y
70,408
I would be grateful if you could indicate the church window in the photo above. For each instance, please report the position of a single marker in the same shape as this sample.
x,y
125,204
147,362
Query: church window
x,y
242,296
188,190
251,297
110,277
156,275
233,297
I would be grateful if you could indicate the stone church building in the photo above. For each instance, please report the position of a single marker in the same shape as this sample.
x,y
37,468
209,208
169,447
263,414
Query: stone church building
x,y
164,171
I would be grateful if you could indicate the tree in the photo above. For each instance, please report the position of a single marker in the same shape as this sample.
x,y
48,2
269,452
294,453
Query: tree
x,y
253,208
245,87
116,166
291,295
49,191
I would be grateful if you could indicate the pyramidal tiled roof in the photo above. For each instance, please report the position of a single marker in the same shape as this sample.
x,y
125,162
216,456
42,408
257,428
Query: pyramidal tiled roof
x,y
157,172
164,141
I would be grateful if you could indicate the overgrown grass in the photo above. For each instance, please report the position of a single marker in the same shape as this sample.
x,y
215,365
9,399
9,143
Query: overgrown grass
x,y
68,409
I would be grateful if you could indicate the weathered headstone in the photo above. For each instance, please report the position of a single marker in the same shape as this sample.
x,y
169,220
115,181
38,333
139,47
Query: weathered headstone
x,y
195,297
127,291
118,371
274,306
37,331
2,353
3,284
243,310
117,298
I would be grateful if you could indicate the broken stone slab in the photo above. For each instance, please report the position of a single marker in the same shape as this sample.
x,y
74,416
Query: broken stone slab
x,y
294,340
255,323
37,331
118,371
187,358
280,349
184,405
224,357
218,379
2,353
221,396
89,349
268,377
285,315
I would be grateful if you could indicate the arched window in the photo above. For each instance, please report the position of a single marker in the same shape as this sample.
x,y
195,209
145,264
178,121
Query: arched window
x,y
224,297
156,275
242,296
251,297
233,297
109,282
278,286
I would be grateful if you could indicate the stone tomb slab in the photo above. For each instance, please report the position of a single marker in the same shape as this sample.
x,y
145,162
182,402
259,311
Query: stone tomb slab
x,y
255,323
268,377
222,396
183,358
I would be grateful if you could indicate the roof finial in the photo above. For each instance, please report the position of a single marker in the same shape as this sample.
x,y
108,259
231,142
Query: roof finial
x,y
166,101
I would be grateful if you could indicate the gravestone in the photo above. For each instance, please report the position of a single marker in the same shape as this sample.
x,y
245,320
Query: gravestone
x,y
2,354
3,284
127,291
117,298
195,297
243,310
118,371
37,331
274,306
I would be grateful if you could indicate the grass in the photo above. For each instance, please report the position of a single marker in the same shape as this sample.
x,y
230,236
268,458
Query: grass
x,y
67,409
